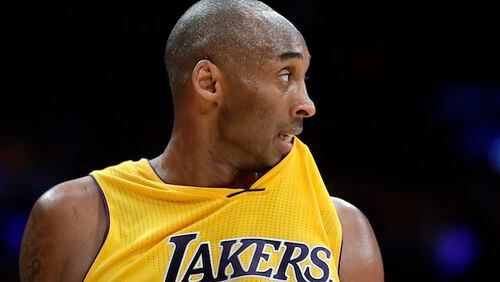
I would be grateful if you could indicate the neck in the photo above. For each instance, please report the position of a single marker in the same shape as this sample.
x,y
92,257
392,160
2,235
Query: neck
x,y
190,160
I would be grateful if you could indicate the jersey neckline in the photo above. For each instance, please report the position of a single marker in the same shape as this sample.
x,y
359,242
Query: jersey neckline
x,y
256,186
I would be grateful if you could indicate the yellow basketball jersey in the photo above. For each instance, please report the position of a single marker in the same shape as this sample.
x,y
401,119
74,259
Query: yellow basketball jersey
x,y
284,227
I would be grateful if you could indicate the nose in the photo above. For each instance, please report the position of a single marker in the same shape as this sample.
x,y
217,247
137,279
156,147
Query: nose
x,y
304,108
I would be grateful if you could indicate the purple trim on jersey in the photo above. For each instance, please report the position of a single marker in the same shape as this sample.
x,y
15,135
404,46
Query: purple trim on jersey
x,y
103,198
156,172
340,254
164,181
246,190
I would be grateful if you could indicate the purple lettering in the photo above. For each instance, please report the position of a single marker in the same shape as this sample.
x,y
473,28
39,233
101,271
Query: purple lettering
x,y
180,243
316,260
259,254
287,260
203,252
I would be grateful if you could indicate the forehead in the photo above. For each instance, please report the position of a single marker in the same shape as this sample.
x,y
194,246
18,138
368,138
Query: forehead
x,y
274,36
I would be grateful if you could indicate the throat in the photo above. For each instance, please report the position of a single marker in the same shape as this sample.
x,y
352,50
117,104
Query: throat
x,y
190,173
245,179
188,163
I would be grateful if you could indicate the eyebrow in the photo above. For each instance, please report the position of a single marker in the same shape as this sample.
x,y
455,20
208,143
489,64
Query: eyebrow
x,y
290,55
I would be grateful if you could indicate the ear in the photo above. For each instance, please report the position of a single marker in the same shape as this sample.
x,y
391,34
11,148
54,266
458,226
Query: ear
x,y
205,79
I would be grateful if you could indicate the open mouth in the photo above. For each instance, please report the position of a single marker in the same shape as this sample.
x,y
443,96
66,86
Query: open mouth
x,y
286,137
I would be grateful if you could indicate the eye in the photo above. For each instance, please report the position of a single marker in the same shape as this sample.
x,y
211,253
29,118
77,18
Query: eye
x,y
285,75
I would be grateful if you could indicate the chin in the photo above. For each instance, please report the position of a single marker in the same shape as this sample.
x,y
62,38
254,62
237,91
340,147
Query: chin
x,y
263,160
264,163
273,161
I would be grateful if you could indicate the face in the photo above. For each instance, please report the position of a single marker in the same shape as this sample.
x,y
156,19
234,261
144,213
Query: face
x,y
264,103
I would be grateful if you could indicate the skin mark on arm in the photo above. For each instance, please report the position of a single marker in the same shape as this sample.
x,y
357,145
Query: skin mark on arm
x,y
35,248
30,267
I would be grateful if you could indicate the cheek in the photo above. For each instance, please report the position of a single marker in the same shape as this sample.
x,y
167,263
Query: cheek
x,y
252,116
244,117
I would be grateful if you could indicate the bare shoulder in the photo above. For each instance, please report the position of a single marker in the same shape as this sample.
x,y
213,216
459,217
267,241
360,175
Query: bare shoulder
x,y
360,258
64,221
350,215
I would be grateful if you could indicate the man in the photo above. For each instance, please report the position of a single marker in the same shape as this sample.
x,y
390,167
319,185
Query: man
x,y
234,195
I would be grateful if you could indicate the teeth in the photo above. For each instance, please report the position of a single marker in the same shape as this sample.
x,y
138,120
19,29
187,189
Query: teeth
x,y
287,138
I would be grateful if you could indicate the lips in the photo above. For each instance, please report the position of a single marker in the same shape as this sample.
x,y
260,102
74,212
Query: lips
x,y
286,137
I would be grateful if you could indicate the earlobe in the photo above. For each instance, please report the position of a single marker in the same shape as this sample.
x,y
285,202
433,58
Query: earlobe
x,y
204,79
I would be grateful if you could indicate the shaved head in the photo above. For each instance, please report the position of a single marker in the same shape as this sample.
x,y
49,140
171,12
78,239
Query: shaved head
x,y
237,72
224,32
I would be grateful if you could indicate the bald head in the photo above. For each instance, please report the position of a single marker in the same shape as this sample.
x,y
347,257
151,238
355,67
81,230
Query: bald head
x,y
225,32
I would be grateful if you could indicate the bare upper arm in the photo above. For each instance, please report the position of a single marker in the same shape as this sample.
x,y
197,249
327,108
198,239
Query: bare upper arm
x,y
64,232
360,258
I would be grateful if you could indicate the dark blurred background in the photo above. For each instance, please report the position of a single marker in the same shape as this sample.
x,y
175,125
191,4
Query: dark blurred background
x,y
407,128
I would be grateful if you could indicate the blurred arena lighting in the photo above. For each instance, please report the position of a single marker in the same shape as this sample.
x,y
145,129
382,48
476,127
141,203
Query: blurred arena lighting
x,y
461,103
494,155
13,231
473,111
455,250
475,143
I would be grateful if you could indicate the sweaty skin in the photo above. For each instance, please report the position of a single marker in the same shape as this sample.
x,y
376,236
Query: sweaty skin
x,y
222,101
